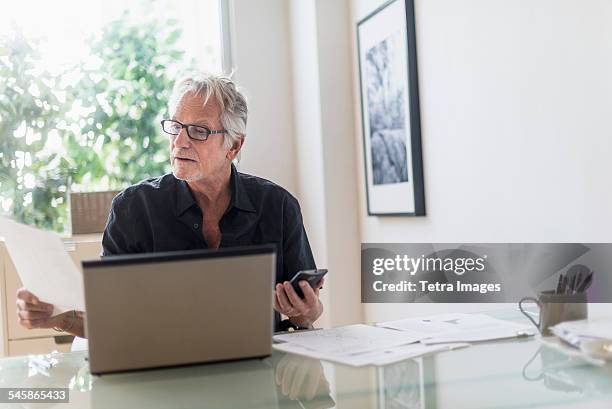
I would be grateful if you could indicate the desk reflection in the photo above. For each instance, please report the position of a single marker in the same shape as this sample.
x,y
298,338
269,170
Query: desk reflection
x,y
283,381
303,379
559,371
498,375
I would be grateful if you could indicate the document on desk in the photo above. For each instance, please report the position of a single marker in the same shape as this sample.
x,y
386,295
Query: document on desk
x,y
350,339
446,328
356,345
44,266
594,328
379,357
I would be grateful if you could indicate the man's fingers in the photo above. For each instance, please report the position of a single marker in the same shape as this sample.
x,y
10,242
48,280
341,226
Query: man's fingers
x,y
31,312
295,299
33,315
309,294
31,324
279,307
24,294
42,306
286,306
45,305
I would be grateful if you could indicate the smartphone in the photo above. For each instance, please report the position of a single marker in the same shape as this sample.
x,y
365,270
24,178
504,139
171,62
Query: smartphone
x,y
311,276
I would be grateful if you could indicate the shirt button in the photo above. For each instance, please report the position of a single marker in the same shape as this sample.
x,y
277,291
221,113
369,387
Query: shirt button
x,y
195,226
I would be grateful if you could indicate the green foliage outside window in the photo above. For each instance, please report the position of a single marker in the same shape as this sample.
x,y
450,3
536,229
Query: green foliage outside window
x,y
92,127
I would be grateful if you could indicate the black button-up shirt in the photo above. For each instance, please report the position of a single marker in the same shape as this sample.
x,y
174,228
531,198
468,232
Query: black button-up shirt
x,y
161,214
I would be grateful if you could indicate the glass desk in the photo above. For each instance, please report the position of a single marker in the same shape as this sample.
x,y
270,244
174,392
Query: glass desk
x,y
521,373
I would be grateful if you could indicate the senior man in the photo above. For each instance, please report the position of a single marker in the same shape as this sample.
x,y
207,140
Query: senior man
x,y
204,203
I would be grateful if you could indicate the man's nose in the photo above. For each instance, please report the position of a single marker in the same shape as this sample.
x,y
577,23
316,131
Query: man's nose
x,y
182,139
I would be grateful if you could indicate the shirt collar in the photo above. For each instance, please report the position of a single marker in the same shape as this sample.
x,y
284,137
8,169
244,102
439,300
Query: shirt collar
x,y
240,197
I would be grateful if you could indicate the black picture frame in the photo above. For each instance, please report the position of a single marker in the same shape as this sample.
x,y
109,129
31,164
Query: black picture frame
x,y
394,187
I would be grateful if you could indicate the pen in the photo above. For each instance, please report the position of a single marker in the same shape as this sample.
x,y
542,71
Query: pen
x,y
587,282
577,284
559,283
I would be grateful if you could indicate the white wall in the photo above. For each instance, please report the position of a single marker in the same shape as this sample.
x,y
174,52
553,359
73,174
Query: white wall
x,y
308,134
320,38
341,194
300,131
516,108
515,101
261,57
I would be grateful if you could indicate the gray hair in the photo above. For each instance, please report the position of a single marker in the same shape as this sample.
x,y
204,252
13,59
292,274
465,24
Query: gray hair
x,y
231,100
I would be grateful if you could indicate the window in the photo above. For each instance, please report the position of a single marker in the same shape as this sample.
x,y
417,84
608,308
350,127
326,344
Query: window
x,y
83,86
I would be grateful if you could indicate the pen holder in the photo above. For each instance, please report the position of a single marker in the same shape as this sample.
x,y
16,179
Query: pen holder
x,y
555,308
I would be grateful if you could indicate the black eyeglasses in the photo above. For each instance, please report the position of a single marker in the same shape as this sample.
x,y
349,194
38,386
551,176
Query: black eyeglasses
x,y
195,132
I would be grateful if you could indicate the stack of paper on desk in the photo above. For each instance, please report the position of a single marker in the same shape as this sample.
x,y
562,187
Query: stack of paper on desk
x,y
377,357
594,328
593,338
446,328
351,339
44,266
356,345
394,341
576,332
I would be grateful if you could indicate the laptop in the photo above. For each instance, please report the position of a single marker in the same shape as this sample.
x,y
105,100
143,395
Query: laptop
x,y
175,308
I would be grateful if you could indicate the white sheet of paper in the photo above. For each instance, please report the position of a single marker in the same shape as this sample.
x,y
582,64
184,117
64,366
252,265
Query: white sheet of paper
x,y
594,328
457,327
513,331
44,266
402,352
378,357
350,339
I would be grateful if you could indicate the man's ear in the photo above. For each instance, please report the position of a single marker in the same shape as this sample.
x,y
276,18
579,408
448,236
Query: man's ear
x,y
235,149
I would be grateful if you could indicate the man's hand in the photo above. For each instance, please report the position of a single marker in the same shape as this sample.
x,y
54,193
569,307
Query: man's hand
x,y
33,313
300,311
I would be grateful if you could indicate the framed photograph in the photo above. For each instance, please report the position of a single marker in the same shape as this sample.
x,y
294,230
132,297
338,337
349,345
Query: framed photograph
x,y
386,42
